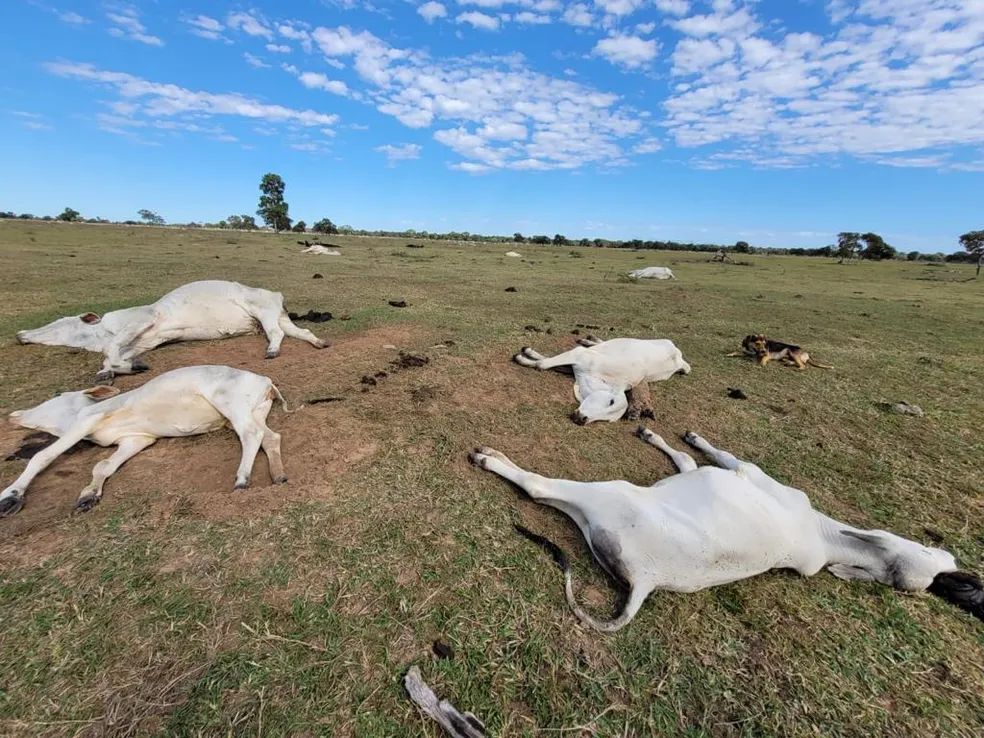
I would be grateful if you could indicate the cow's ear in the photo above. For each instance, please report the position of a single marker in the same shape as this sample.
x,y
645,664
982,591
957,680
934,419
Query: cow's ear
x,y
90,318
101,392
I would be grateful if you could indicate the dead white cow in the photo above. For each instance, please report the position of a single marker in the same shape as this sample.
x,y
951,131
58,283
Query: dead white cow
x,y
652,273
183,402
513,254
204,310
709,526
604,371
319,249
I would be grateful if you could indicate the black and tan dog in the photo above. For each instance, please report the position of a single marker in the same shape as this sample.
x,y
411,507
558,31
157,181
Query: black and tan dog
x,y
765,350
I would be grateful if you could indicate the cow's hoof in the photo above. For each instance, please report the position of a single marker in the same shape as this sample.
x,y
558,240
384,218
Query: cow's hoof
x,y
322,345
105,377
282,479
477,457
240,486
690,437
84,504
138,366
272,354
21,338
641,431
11,506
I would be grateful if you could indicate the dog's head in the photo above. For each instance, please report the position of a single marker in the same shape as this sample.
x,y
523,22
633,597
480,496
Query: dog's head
x,y
754,344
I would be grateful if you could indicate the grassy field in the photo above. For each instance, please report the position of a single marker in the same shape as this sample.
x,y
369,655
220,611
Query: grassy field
x,y
178,608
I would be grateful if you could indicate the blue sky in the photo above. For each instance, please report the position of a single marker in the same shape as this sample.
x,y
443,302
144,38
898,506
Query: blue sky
x,y
780,122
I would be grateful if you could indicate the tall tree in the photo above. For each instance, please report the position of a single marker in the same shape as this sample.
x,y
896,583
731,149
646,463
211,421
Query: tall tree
x,y
151,217
742,247
848,245
324,226
973,243
273,208
69,215
875,247
299,227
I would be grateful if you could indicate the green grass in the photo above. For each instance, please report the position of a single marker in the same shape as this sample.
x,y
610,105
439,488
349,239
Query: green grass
x,y
149,616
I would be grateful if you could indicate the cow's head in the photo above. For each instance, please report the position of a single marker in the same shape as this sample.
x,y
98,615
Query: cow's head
x,y
602,402
57,415
880,556
78,331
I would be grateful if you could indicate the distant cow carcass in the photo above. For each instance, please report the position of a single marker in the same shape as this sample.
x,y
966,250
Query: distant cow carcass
x,y
183,402
513,254
195,311
652,273
317,248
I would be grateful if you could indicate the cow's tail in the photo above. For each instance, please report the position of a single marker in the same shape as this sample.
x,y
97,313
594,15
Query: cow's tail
x,y
606,626
283,402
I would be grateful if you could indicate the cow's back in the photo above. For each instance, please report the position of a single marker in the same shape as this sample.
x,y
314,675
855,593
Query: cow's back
x,y
208,309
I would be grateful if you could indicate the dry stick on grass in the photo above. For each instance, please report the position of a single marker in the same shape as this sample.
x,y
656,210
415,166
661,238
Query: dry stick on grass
x,y
456,724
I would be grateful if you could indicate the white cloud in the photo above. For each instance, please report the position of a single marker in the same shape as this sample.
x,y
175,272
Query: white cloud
x,y
431,11
570,72
37,125
255,61
249,24
628,51
479,20
296,34
673,7
402,152
649,146
896,82
578,14
645,28
206,27
531,18
278,48
126,24
153,103
471,167
318,81
73,18
619,7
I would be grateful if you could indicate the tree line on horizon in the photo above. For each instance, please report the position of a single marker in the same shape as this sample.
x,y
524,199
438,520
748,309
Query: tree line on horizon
x,y
274,210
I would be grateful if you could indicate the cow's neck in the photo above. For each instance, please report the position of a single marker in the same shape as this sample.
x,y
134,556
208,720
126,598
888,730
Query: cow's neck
x,y
847,550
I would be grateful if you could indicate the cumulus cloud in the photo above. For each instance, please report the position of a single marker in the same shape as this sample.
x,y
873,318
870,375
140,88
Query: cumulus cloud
x,y
898,76
479,20
578,14
493,111
628,51
249,24
318,81
278,48
431,11
399,153
126,24
674,7
255,61
300,35
528,18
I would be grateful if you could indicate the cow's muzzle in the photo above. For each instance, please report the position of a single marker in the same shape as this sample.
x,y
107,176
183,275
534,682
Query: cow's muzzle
x,y
579,419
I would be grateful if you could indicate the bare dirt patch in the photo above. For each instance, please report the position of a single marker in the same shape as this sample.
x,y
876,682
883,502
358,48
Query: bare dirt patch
x,y
193,477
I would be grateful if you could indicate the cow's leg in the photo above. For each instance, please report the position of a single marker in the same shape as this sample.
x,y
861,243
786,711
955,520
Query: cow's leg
x,y
721,458
588,341
122,351
269,319
640,402
12,498
544,363
270,443
127,448
304,334
683,461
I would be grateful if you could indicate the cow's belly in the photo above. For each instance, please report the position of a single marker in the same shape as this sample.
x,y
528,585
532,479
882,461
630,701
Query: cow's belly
x,y
166,417
204,323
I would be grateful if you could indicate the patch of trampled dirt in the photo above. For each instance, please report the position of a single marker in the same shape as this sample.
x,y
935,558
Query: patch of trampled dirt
x,y
194,477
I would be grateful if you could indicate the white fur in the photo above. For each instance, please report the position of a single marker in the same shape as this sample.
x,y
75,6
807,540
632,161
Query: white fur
x,y
183,402
318,249
652,273
707,526
605,370
195,311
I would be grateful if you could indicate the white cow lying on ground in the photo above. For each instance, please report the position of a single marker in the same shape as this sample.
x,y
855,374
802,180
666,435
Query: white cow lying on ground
x,y
319,249
708,526
652,273
183,402
195,311
605,370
